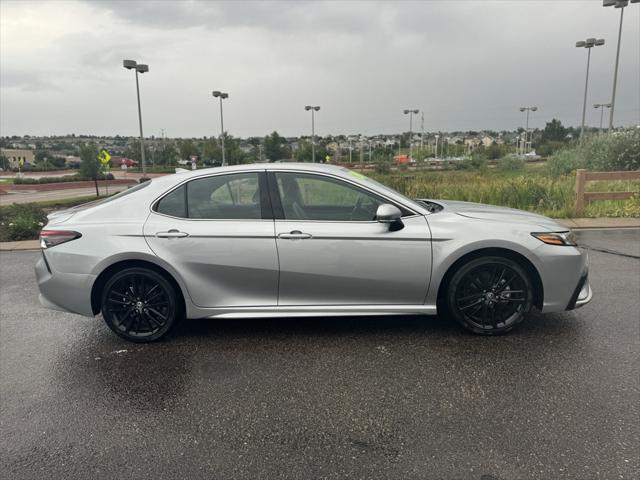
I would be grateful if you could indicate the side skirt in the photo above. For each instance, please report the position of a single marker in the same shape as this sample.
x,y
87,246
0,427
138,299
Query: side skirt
x,y
313,311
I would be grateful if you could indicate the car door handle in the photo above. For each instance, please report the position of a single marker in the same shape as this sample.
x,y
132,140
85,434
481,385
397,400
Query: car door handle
x,y
172,234
294,235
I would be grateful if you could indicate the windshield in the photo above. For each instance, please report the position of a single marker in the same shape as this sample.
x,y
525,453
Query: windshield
x,y
380,187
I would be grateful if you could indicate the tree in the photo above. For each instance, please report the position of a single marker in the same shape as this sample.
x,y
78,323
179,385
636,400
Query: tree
x,y
187,148
133,151
304,153
554,131
275,147
211,151
167,154
89,163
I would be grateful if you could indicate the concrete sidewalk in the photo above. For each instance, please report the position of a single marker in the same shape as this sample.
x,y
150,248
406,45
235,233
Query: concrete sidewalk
x,y
573,223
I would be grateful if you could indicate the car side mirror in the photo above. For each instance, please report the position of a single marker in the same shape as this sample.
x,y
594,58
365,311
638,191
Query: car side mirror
x,y
391,215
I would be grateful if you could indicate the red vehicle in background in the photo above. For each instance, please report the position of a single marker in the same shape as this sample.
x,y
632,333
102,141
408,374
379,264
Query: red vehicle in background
x,y
403,160
120,161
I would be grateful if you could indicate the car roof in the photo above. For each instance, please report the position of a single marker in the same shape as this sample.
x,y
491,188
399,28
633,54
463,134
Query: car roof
x,y
315,167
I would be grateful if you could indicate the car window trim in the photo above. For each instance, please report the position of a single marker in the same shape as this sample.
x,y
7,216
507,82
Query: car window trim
x,y
266,212
278,211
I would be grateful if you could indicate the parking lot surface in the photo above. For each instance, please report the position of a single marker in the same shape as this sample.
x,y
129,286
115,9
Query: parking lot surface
x,y
375,397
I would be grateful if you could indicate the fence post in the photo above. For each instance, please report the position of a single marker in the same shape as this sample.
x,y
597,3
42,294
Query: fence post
x,y
580,181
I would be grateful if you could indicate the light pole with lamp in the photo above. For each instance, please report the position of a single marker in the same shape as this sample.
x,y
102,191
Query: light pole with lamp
x,y
617,4
221,95
601,106
313,109
526,130
139,68
411,112
589,43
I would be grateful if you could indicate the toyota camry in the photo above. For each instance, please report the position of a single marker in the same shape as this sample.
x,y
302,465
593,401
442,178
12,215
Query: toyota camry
x,y
275,240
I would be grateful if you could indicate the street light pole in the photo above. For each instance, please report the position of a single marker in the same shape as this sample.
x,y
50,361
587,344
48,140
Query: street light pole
x,y
621,4
526,130
411,112
313,109
589,43
601,106
422,130
221,95
139,68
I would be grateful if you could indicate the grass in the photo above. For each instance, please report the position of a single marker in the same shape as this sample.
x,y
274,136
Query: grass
x,y
530,189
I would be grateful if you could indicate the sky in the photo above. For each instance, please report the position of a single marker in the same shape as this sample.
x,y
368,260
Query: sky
x,y
467,65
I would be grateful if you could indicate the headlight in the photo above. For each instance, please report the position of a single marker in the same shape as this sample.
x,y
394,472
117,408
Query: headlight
x,y
557,238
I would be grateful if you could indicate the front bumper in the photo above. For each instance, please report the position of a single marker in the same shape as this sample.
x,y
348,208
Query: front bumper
x,y
582,294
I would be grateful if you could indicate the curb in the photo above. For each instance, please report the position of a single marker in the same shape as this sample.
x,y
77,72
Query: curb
x,y
22,245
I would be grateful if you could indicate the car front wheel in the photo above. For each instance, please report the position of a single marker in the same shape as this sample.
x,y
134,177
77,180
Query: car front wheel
x,y
490,295
139,304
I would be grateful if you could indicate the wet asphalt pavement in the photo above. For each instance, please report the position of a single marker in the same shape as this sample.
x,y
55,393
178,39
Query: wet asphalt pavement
x,y
385,397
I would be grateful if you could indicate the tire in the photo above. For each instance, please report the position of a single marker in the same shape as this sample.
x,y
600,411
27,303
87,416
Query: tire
x,y
490,295
140,305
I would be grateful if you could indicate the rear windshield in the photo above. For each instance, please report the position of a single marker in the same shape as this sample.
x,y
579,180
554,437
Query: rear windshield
x,y
124,193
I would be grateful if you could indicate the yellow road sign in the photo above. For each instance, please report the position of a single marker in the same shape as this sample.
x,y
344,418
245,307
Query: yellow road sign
x,y
104,157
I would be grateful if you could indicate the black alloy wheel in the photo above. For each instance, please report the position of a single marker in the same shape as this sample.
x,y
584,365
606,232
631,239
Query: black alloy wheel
x,y
139,304
490,295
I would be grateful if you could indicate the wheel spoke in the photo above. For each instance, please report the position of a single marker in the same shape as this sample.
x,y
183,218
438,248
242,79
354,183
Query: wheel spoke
x,y
154,296
469,297
149,291
118,302
157,304
151,319
156,312
471,304
129,318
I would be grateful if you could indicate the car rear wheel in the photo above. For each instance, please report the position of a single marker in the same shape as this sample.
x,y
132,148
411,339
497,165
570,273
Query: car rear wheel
x,y
139,304
490,295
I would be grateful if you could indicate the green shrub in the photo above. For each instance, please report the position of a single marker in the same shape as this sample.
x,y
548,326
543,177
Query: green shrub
x,y
476,162
383,166
511,163
61,179
617,151
21,222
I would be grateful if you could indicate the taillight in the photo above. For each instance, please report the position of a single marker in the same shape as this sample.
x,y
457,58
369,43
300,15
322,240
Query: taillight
x,y
51,238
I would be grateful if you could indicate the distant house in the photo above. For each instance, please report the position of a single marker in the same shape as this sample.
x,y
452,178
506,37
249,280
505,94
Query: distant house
x,y
17,157
487,141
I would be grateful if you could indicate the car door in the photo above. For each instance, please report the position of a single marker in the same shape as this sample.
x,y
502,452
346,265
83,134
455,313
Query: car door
x,y
217,231
333,252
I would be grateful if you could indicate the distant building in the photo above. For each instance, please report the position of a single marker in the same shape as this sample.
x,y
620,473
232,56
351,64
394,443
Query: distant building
x,y
17,157
487,141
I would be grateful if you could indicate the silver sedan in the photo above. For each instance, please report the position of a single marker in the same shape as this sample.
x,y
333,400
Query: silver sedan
x,y
275,240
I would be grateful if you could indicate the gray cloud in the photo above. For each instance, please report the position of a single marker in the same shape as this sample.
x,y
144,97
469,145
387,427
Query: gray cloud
x,y
468,65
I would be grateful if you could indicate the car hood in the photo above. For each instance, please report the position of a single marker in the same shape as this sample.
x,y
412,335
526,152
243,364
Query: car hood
x,y
500,214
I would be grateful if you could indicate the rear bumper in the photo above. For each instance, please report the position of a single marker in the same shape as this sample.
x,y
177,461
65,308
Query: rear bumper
x,y
67,292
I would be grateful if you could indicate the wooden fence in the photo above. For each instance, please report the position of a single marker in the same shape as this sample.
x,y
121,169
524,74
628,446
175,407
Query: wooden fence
x,y
583,176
